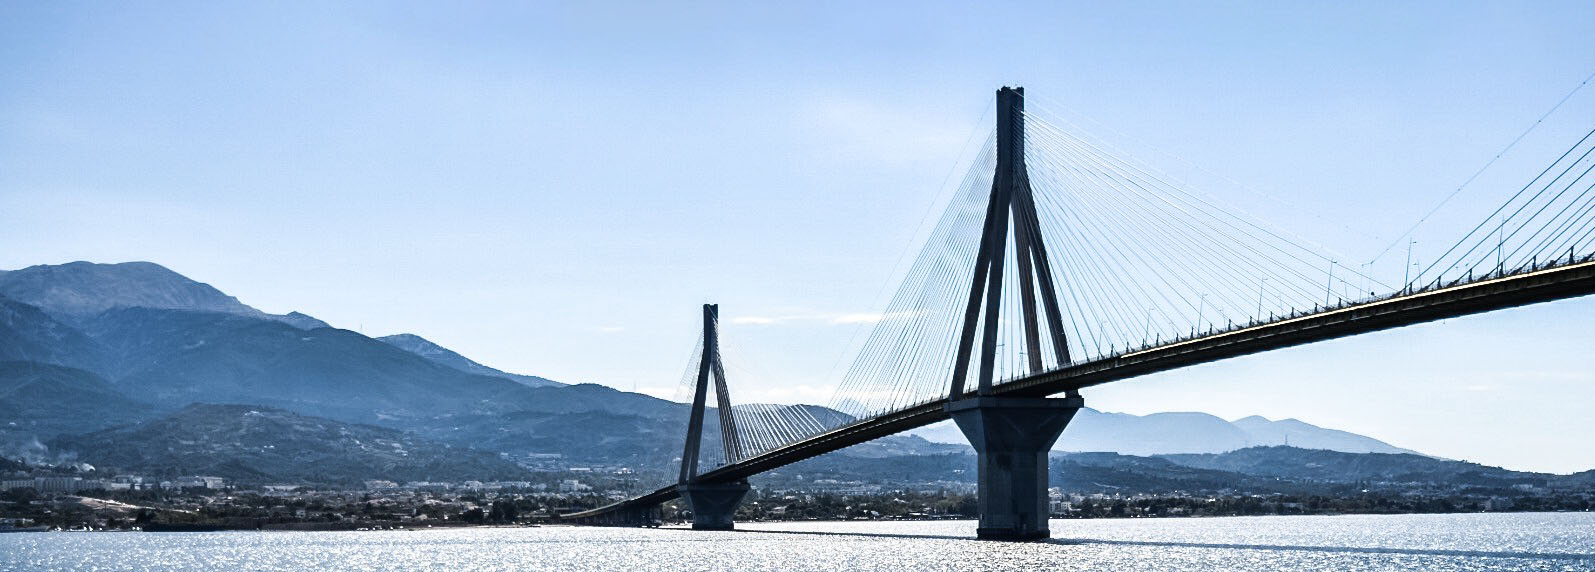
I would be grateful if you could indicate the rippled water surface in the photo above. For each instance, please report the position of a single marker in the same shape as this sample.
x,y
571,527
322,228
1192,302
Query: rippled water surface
x,y
1564,541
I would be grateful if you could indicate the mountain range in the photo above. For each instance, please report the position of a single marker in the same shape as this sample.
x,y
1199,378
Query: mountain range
x,y
95,354
263,444
1253,470
1167,433
84,289
438,354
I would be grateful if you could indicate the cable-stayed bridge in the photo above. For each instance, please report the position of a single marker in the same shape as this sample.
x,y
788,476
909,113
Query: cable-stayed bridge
x,y
1060,265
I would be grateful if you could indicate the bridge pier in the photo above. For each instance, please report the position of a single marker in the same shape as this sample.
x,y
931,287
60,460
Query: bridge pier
x,y
1011,437
713,505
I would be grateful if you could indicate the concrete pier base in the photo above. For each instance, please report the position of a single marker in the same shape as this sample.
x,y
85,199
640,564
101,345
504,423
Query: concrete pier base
x,y
1011,437
713,506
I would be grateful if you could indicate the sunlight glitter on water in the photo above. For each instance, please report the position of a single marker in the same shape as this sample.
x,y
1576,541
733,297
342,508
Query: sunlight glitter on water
x,y
1564,541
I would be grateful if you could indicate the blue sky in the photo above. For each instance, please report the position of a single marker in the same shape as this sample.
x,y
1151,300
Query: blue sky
x,y
555,188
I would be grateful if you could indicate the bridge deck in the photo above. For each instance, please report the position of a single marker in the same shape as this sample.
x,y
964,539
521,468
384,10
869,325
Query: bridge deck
x,y
1527,286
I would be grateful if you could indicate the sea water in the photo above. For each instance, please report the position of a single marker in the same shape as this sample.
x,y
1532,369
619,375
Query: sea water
x,y
1522,541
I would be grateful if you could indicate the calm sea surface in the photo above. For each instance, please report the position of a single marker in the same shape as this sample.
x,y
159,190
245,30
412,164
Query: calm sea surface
x,y
1564,541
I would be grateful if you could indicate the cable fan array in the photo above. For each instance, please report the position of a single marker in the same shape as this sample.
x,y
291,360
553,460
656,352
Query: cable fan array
x,y
1550,220
909,353
742,430
1139,260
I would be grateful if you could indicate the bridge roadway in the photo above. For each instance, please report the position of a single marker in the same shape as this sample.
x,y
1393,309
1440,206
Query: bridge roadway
x,y
1568,279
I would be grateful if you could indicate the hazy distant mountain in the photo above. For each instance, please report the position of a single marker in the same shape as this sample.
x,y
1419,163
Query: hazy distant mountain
x,y
29,334
170,341
1262,432
1116,473
301,321
1092,430
265,445
593,397
1170,433
1287,470
1283,469
1315,465
1583,479
40,401
588,437
133,339
86,288
82,289
172,358
425,348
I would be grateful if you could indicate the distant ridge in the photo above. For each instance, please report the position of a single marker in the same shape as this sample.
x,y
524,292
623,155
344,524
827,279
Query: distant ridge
x,y
80,290
438,354
1186,432
1262,432
44,399
29,334
161,338
264,445
1283,470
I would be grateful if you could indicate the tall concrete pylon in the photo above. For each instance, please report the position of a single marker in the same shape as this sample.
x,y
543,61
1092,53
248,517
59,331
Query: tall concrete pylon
x,y
1011,436
712,504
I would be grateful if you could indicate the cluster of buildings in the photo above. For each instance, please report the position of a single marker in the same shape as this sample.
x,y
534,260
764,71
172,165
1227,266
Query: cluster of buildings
x,y
474,486
566,486
69,484
74,501
865,488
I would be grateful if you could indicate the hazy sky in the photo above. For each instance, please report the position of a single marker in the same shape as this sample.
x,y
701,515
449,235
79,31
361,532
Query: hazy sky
x,y
554,188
